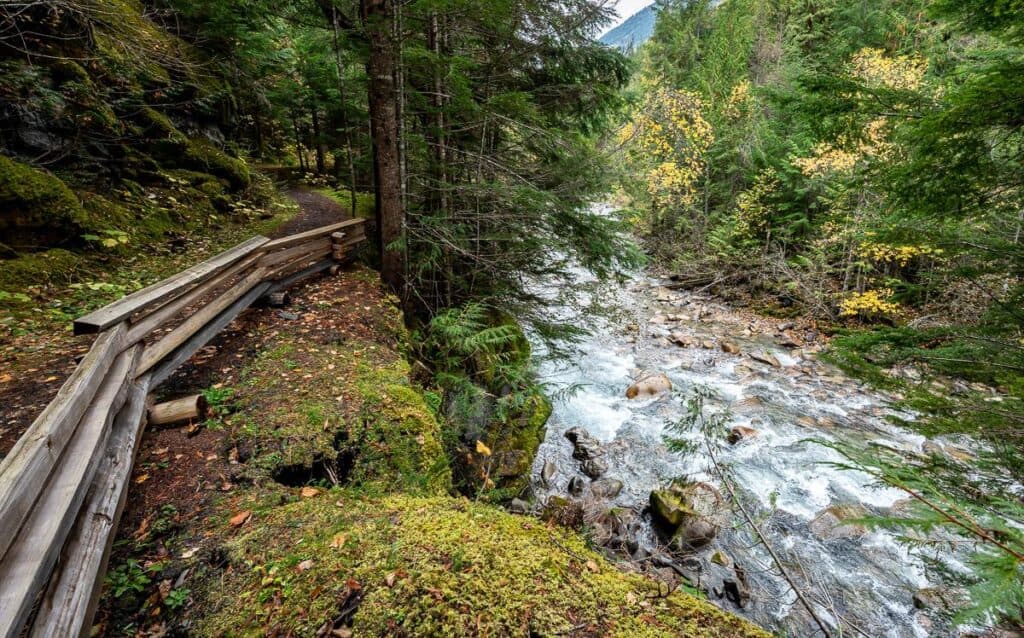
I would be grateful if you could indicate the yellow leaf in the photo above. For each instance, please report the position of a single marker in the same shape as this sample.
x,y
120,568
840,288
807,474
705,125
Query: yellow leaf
x,y
339,541
142,479
482,449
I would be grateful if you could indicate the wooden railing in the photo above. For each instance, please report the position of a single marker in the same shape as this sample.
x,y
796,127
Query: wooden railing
x,y
63,485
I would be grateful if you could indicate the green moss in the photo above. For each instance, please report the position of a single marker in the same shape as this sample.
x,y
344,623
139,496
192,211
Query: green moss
x,y
157,125
435,567
50,266
308,404
36,208
203,155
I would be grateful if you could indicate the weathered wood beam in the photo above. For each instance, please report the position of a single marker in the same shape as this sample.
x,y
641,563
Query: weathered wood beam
x,y
323,231
29,561
71,599
179,410
201,338
141,329
173,339
23,472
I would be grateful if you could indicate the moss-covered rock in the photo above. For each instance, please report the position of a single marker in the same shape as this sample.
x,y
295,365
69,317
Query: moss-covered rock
x,y
410,566
312,412
36,208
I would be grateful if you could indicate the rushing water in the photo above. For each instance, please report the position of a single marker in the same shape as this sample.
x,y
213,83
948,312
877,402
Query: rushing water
x,y
866,579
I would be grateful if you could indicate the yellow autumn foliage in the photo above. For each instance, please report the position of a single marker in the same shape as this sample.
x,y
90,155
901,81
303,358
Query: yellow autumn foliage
x,y
870,304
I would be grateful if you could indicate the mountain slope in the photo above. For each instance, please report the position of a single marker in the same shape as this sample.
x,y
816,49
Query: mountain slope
x,y
632,33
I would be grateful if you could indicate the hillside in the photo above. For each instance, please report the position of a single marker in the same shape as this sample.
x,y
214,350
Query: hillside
x,y
631,34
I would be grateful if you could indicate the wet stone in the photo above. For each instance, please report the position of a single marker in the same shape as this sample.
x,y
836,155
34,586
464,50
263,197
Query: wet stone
x,y
577,485
607,488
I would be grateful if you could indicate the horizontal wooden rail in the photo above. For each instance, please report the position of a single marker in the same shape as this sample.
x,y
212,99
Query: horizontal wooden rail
x,y
64,483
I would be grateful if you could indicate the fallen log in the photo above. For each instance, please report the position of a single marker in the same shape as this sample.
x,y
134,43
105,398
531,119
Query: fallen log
x,y
179,410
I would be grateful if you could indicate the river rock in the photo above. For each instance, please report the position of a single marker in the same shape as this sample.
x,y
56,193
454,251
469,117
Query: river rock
x,y
584,445
721,558
594,468
681,339
707,344
834,522
608,488
730,347
787,341
741,433
649,385
764,357
943,599
518,506
692,513
547,473
576,485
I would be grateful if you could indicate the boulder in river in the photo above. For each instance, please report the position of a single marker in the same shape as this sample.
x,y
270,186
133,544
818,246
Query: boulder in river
x,y
584,445
730,347
607,488
548,472
649,385
764,357
594,468
576,485
839,521
691,513
741,433
681,339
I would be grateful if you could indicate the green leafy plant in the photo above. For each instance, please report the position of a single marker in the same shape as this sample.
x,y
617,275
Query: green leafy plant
x,y
177,598
130,577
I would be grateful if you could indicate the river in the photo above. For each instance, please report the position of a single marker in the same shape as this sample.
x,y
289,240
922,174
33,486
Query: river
x,y
862,580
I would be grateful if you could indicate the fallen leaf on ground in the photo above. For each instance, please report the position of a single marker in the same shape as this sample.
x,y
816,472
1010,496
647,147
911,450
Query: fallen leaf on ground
x,y
309,492
240,518
339,541
306,565
142,478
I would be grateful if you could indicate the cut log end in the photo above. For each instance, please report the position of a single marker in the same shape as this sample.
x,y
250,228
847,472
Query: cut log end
x,y
179,410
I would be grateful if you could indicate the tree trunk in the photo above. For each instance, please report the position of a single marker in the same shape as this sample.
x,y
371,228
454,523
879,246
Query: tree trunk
x,y
318,139
381,67
346,133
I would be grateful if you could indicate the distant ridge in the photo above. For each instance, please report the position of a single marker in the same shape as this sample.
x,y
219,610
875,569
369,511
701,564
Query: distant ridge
x,y
628,36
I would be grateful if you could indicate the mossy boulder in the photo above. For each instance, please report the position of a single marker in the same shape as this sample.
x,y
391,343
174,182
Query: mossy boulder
x,y
36,208
690,514
310,412
439,566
